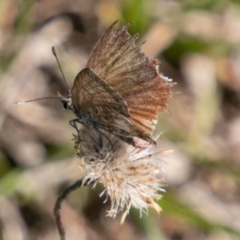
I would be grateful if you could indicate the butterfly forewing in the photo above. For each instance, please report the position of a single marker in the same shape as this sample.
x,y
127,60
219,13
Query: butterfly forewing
x,y
89,91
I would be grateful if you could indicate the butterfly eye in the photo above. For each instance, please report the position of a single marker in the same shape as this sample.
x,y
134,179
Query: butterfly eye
x,y
65,104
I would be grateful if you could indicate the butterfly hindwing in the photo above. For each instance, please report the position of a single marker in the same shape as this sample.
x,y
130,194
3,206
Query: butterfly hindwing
x,y
112,122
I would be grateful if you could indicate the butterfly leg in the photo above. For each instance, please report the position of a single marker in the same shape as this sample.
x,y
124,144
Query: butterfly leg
x,y
106,137
127,140
73,123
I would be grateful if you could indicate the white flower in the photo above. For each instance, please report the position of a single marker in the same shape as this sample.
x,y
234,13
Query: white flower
x,y
131,176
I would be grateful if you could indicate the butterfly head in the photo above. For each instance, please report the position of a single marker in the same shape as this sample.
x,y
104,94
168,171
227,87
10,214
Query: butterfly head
x,y
66,101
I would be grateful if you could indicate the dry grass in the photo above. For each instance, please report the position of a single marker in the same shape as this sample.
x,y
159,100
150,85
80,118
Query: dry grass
x,y
199,47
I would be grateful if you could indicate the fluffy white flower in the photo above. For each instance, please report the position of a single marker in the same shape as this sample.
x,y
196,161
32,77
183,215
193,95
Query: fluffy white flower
x,y
130,176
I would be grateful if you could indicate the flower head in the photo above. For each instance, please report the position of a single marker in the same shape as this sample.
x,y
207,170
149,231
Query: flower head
x,y
130,176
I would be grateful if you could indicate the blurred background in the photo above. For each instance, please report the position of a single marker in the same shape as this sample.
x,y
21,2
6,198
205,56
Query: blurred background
x,y
198,44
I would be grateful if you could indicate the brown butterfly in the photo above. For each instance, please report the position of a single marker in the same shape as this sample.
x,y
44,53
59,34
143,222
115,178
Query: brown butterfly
x,y
120,90
95,103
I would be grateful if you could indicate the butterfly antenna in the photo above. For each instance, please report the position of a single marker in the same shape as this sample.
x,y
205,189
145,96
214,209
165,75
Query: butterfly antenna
x,y
55,55
33,100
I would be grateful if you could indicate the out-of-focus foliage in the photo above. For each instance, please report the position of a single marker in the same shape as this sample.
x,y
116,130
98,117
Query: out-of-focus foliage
x,y
198,43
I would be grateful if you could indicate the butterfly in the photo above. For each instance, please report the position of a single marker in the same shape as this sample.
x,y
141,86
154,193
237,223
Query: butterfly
x,y
120,90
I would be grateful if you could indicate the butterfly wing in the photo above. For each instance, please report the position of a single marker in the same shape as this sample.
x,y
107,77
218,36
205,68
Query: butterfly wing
x,y
119,61
146,100
103,107
89,91
116,59
119,125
